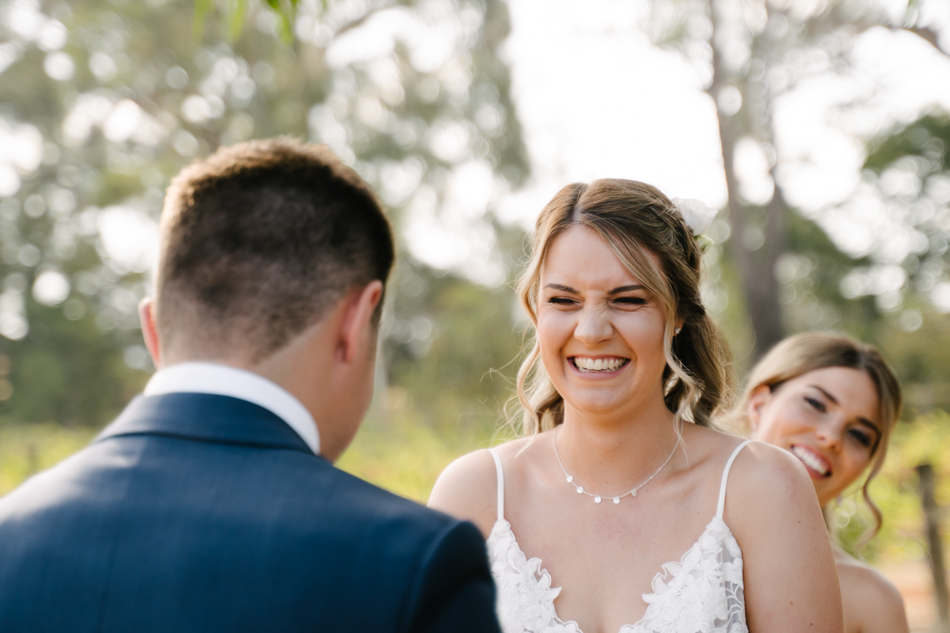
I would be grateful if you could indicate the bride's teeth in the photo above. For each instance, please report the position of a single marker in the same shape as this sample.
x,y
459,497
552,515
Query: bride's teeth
x,y
600,364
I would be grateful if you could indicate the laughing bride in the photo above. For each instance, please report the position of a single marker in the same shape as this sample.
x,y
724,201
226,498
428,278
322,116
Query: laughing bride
x,y
620,509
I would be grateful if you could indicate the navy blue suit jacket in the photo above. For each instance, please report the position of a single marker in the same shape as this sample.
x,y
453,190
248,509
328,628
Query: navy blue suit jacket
x,y
196,512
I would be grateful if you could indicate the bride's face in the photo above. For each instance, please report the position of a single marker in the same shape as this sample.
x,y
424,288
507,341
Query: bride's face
x,y
828,418
600,331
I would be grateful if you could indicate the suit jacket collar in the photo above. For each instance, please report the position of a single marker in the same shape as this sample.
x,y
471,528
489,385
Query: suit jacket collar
x,y
224,380
205,417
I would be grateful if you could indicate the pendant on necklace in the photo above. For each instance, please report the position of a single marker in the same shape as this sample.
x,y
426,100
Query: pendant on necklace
x,y
597,498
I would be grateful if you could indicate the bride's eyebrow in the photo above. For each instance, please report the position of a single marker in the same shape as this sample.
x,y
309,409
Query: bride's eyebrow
x,y
617,291
610,293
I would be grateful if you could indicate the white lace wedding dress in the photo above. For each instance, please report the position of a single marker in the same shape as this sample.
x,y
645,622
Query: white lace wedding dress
x,y
702,593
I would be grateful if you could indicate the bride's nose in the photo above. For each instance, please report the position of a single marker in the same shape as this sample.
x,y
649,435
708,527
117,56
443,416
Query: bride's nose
x,y
593,326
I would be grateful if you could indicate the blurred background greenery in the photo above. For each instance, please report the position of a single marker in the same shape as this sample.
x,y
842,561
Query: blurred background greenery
x,y
103,101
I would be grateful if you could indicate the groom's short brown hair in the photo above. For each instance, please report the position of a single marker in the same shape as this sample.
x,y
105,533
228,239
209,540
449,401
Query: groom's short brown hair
x,y
258,240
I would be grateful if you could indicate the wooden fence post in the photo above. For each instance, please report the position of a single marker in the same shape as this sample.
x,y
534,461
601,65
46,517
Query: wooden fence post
x,y
932,519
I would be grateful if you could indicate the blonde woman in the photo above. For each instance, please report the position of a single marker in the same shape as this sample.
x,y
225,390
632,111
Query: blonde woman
x,y
620,509
832,402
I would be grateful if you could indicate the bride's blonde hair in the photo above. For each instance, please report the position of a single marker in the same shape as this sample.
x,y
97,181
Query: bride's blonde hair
x,y
635,220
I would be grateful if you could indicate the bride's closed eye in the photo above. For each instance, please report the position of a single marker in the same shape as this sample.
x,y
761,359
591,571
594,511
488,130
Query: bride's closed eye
x,y
632,301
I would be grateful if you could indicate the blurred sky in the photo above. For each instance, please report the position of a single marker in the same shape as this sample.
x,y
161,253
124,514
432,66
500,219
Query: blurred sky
x,y
598,99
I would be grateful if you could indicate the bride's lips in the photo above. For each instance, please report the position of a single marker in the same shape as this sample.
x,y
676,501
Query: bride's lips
x,y
596,366
815,463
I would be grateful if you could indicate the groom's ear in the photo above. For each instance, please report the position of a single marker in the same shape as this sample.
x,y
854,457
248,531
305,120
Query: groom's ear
x,y
358,326
149,329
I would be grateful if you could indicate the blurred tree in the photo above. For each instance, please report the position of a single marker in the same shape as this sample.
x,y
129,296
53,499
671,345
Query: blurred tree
x,y
103,101
750,54
458,354
908,171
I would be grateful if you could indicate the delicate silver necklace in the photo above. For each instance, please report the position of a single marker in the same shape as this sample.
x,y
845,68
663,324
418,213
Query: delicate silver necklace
x,y
598,498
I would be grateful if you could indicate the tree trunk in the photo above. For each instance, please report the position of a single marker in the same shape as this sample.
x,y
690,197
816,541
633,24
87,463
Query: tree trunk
x,y
756,266
935,548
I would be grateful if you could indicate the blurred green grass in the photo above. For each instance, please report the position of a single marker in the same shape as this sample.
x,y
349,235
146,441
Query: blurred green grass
x,y
29,448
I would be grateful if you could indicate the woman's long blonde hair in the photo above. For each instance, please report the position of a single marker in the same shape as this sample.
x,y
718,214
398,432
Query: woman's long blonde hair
x,y
635,220
803,353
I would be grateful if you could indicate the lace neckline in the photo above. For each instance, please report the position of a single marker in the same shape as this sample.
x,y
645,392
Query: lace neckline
x,y
663,580
700,593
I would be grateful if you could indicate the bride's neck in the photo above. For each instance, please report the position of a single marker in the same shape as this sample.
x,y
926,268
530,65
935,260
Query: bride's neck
x,y
615,454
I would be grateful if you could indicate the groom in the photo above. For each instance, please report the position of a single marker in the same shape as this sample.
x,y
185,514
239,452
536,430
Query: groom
x,y
212,504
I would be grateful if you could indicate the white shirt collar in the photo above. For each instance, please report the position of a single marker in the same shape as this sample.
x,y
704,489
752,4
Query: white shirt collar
x,y
222,380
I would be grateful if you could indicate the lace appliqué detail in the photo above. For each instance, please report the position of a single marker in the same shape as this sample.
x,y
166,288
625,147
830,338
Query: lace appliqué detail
x,y
525,596
702,593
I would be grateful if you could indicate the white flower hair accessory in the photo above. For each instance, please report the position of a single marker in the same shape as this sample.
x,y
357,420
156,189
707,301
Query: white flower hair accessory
x,y
697,214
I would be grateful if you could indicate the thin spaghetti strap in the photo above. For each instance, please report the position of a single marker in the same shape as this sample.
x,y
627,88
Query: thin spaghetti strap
x,y
501,484
725,479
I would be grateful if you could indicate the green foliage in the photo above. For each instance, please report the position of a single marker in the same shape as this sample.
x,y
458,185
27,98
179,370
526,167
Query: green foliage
x,y
136,98
928,137
234,14
454,350
67,371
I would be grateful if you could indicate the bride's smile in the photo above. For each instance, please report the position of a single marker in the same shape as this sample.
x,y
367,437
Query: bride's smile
x,y
600,365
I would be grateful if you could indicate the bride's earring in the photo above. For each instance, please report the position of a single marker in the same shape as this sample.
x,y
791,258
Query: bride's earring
x,y
677,330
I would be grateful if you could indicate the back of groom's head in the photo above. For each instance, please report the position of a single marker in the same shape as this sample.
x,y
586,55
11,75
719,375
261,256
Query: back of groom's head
x,y
258,241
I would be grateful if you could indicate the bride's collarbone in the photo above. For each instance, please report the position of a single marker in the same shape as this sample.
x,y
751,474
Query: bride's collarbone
x,y
639,533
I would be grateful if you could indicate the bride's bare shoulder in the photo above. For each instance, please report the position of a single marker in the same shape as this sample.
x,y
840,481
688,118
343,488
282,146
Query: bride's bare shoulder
x,y
468,487
760,473
763,462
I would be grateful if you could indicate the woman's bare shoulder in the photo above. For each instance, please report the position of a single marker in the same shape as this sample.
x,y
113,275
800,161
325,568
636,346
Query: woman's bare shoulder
x,y
468,487
872,604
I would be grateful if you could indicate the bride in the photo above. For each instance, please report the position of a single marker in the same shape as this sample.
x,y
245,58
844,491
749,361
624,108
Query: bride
x,y
620,509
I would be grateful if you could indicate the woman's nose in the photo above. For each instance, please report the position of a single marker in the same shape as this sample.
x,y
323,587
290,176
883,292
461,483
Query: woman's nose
x,y
830,434
593,326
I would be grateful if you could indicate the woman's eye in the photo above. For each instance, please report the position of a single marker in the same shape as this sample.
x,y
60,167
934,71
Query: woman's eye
x,y
862,437
561,301
818,405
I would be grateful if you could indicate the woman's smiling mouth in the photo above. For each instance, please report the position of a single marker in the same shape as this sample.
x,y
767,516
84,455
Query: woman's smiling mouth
x,y
814,462
586,364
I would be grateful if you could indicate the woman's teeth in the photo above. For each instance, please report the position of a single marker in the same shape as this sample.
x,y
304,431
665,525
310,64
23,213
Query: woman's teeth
x,y
811,460
599,364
